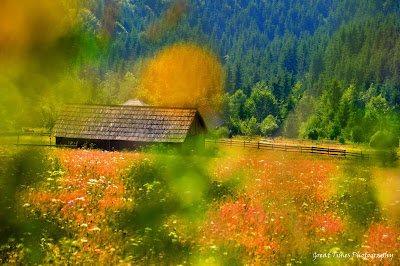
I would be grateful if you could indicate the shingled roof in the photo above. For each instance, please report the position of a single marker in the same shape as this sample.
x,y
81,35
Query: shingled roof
x,y
128,123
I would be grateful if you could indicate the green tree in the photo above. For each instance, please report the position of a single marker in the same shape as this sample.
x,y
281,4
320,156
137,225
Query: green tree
x,y
261,103
268,125
312,128
347,106
250,127
376,110
237,105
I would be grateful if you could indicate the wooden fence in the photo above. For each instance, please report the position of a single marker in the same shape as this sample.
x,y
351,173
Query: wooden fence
x,y
291,148
41,145
18,139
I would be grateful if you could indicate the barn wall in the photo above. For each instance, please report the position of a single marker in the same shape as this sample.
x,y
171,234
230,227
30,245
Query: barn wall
x,y
195,140
111,145
197,127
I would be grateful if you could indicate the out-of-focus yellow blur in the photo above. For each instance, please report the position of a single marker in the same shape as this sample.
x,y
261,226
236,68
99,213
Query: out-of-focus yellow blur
x,y
26,24
182,75
387,184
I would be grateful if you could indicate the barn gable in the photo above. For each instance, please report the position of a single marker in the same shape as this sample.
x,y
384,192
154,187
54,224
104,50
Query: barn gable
x,y
141,124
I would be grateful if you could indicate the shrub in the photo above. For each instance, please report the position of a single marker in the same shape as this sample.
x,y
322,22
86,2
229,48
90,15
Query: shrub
x,y
222,132
312,134
311,129
385,143
384,140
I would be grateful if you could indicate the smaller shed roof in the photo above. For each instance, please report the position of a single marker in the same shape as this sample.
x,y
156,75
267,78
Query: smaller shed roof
x,y
211,118
135,102
124,122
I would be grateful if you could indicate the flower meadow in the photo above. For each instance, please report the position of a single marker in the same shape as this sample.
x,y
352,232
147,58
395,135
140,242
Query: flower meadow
x,y
234,207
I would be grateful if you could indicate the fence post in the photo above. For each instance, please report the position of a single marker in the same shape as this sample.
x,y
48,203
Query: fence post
x,y
258,145
312,149
328,151
50,140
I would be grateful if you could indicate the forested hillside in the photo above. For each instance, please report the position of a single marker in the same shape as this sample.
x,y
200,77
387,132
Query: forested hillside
x,y
312,69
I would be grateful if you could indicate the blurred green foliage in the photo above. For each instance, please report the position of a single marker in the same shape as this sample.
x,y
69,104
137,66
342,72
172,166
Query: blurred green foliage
x,y
384,140
357,200
20,169
386,144
357,195
169,186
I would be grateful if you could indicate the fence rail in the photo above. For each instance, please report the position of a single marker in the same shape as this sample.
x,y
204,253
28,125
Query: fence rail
x,y
291,148
28,133
47,145
41,145
30,139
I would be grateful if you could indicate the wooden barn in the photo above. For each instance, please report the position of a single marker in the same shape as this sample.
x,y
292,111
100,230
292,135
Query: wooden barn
x,y
118,127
